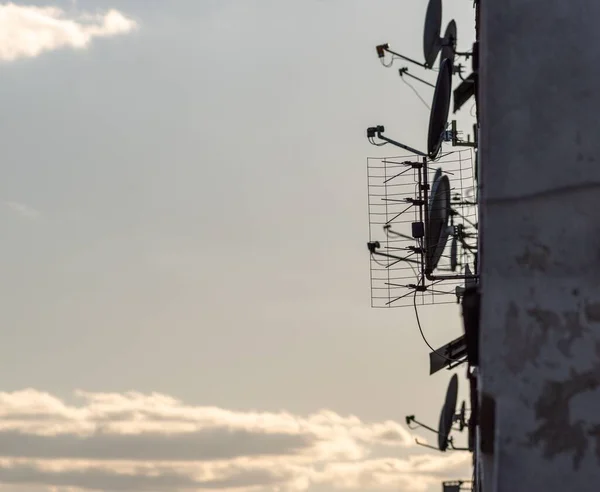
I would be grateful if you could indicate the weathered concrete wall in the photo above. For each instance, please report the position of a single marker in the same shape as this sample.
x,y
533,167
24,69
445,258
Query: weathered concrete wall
x,y
540,239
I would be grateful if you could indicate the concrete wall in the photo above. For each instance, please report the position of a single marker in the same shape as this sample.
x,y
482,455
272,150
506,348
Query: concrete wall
x,y
540,239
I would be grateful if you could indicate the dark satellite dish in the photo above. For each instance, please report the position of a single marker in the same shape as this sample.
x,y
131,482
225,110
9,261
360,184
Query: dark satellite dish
x,y
447,415
449,42
441,244
437,220
440,107
431,36
454,253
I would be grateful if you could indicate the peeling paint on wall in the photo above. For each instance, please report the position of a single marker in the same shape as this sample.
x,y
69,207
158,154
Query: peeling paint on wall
x,y
525,337
536,257
555,432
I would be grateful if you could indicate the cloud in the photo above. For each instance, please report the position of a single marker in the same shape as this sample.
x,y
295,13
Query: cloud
x,y
27,31
137,442
23,210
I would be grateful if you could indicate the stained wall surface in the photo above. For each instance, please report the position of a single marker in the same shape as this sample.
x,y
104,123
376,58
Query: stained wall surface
x,y
540,237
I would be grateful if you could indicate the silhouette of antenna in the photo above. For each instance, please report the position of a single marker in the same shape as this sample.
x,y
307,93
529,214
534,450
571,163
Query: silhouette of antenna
x,y
410,225
449,43
438,118
432,42
437,219
448,417
424,233
447,414
431,33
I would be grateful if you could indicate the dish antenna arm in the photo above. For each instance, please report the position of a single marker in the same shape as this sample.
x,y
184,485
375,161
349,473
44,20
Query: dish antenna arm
x,y
385,48
426,445
411,419
404,71
430,276
377,131
455,448
374,245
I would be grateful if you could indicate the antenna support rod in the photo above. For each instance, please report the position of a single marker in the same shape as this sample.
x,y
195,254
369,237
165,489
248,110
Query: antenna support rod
x,y
404,71
378,131
451,277
393,257
426,445
411,418
385,48
454,448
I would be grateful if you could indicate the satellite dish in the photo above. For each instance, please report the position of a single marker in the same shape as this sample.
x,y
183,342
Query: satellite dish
x,y
440,107
442,241
437,220
454,253
447,415
431,36
449,42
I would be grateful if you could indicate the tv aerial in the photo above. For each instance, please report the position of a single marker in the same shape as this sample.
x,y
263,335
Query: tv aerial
x,y
424,228
437,220
440,214
438,118
416,222
448,417
431,33
448,48
433,43
445,46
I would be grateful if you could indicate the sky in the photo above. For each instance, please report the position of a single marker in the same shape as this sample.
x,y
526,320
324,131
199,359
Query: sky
x,y
184,266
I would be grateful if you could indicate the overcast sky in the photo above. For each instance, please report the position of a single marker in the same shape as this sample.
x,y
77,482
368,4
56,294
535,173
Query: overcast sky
x,y
184,267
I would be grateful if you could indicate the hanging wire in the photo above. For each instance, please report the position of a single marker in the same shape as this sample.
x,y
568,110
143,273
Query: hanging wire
x,y
449,359
416,92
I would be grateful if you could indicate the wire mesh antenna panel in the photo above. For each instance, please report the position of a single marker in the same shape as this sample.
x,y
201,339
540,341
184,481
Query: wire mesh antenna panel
x,y
398,225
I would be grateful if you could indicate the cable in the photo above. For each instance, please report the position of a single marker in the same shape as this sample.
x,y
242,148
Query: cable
x,y
471,110
423,335
391,62
372,142
415,91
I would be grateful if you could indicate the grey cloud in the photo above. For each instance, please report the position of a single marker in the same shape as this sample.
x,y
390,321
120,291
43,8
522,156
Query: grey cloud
x,y
389,474
136,442
205,445
95,479
158,479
